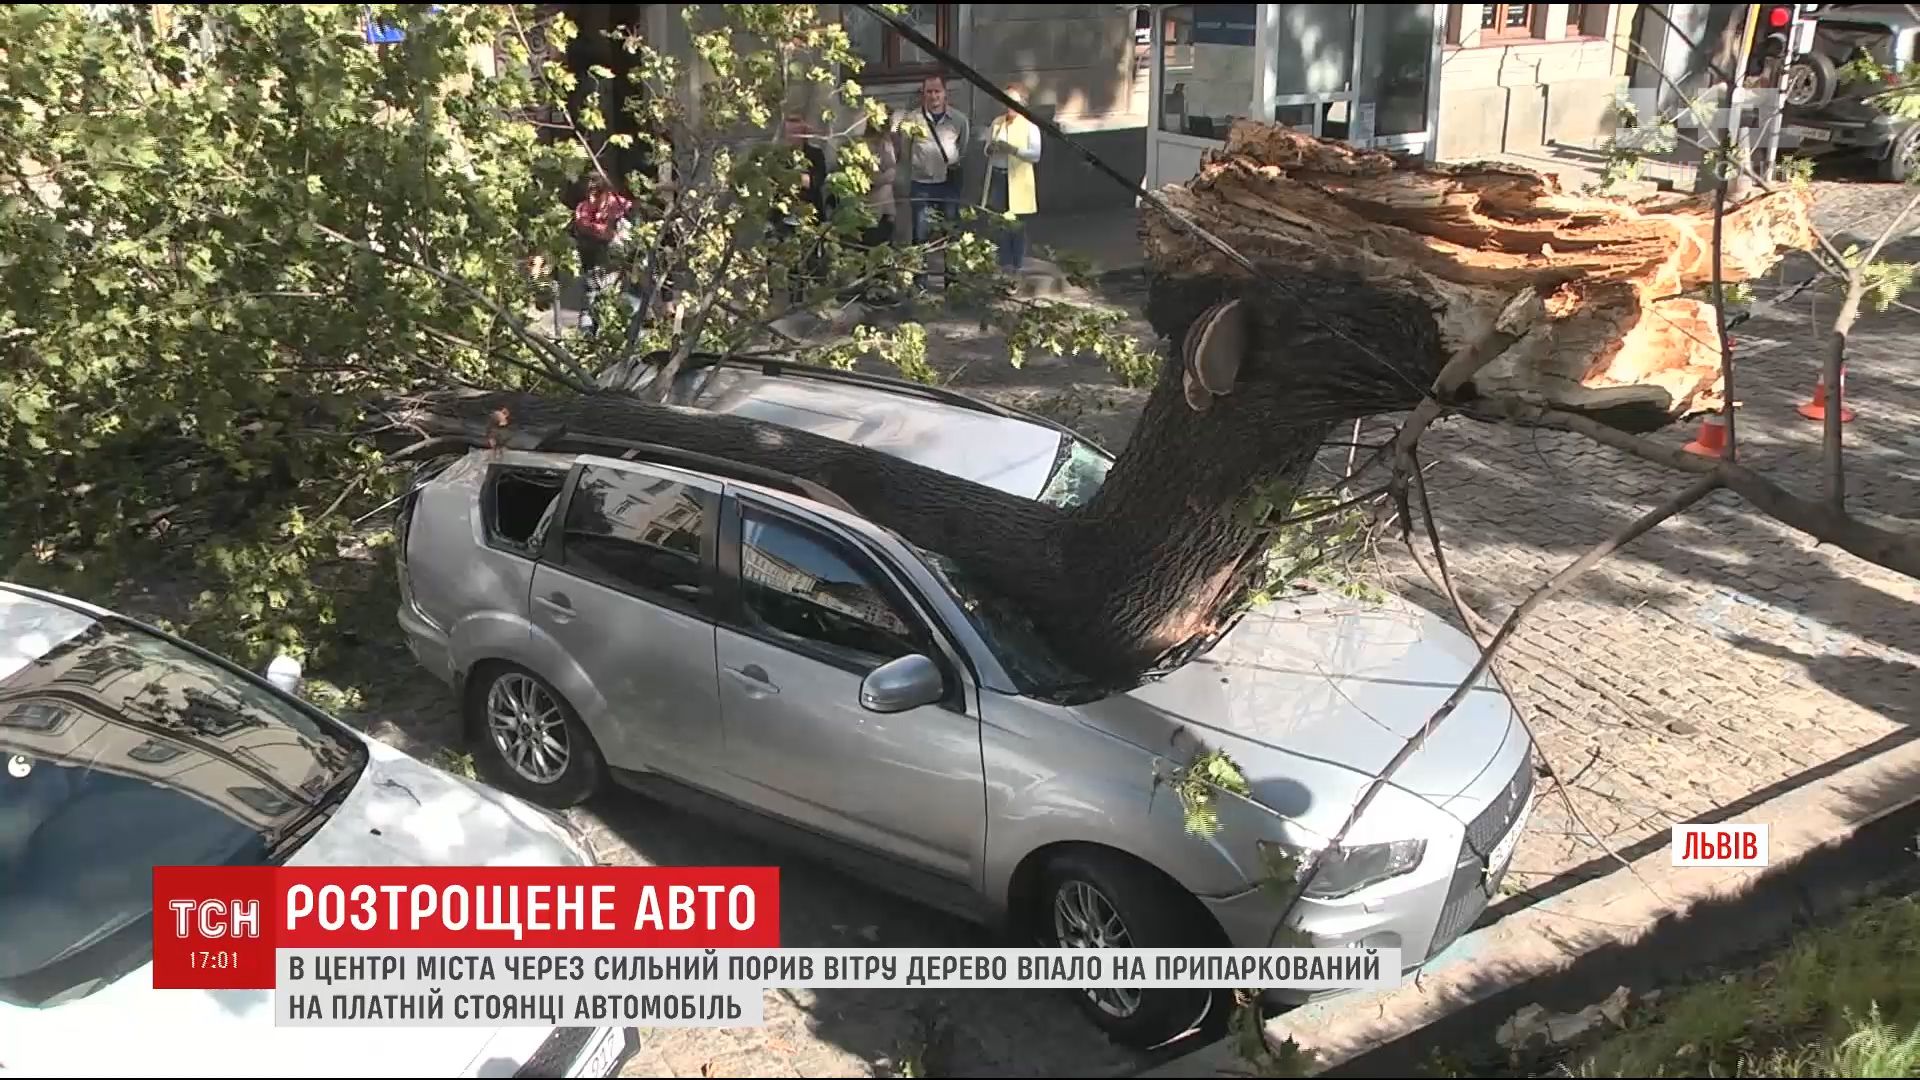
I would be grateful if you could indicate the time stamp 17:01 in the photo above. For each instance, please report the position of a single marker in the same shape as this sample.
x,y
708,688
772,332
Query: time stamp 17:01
x,y
213,959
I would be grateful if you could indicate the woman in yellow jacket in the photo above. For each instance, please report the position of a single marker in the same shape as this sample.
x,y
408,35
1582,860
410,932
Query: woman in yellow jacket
x,y
1013,147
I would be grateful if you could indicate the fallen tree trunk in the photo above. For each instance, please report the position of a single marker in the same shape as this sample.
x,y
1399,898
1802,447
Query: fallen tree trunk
x,y
1371,279
1619,341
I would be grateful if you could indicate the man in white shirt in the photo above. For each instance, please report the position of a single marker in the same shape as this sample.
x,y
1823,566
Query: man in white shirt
x,y
937,136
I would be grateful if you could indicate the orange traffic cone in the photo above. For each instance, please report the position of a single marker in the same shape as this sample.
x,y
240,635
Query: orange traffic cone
x,y
1712,441
1817,408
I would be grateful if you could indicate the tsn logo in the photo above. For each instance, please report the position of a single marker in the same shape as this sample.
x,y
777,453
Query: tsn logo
x,y
215,918
1720,845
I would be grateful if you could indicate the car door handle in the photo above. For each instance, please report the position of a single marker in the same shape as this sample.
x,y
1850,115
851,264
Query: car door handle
x,y
755,678
558,605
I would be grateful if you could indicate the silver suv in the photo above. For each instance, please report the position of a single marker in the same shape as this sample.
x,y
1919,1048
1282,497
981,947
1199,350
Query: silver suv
x,y
738,641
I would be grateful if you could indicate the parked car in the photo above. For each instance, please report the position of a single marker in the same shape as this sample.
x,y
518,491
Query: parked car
x,y
739,643
127,748
1827,110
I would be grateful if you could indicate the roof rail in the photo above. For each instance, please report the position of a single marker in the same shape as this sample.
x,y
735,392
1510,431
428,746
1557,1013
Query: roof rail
x,y
630,450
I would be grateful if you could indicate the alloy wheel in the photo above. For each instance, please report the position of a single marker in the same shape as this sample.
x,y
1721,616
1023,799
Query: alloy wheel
x,y
527,727
1799,85
1083,918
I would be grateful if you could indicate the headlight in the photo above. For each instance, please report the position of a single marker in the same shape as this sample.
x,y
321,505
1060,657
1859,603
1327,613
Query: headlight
x,y
1351,869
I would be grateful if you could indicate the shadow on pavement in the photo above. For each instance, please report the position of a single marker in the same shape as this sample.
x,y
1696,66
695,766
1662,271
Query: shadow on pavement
x,y
973,1033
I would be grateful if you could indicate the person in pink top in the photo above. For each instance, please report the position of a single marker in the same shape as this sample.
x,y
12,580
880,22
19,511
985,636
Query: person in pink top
x,y
596,224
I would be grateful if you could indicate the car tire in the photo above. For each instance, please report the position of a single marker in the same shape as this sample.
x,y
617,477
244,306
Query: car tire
x,y
1903,156
1150,912
529,739
1811,81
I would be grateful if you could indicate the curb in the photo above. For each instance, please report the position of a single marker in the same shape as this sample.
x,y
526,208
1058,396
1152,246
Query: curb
x,y
1613,911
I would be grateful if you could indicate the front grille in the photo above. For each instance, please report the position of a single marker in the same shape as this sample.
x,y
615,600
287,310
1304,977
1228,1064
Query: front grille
x,y
1490,826
1472,888
1466,898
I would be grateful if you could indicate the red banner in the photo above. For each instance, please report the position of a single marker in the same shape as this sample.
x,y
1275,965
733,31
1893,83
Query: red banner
x,y
216,928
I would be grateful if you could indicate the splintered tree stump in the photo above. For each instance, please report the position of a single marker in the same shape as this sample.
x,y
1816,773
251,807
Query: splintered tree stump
x,y
1618,338
1371,280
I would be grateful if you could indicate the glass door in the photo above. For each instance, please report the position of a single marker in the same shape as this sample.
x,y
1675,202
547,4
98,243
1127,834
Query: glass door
x,y
1205,76
1399,54
1310,71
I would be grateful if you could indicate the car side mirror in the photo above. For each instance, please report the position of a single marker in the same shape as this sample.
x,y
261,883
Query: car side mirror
x,y
906,683
284,672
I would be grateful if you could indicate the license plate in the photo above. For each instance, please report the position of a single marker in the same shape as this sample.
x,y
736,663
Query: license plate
x,y
1810,134
603,1053
1503,851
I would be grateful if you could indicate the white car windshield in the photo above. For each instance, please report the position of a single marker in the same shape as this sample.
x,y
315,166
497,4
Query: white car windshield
x,y
121,751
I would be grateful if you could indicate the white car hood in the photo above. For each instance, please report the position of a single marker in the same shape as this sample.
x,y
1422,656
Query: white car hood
x,y
400,812
1314,695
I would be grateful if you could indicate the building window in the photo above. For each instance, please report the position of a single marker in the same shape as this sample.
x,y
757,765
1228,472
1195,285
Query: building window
x,y
1577,19
1506,20
1208,67
887,55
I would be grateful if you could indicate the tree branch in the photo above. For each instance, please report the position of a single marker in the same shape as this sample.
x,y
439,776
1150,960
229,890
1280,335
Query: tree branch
x,y
1693,493
1481,631
1831,450
568,371
1895,545
565,110
663,383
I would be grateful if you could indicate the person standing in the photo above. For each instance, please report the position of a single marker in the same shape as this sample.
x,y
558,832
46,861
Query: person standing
x,y
881,199
938,135
1013,148
597,220
797,133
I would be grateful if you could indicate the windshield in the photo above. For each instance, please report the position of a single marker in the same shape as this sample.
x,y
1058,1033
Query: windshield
x,y
124,752
1077,474
1035,669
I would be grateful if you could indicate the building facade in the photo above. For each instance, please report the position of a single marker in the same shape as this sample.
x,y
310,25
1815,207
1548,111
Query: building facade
x,y
1515,77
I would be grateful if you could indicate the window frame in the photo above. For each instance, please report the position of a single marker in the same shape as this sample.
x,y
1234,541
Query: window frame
x,y
934,644
1501,30
553,548
488,506
889,69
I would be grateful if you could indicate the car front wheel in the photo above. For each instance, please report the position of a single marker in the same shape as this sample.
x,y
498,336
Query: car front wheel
x,y
531,742
1094,899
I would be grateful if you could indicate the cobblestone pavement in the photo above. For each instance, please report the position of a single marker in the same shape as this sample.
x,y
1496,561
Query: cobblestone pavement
x,y
1723,654
1718,657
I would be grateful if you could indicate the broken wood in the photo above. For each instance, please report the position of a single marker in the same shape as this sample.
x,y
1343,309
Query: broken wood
x,y
1619,341
1365,289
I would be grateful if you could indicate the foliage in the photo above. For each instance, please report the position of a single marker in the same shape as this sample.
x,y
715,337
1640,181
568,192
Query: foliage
x,y
190,336
1795,169
1631,143
1883,279
1319,543
1843,1000
228,233
1246,1029
1209,772
1890,88
457,762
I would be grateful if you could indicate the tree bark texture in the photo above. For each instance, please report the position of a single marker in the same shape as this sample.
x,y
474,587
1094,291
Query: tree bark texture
x,y
1618,340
